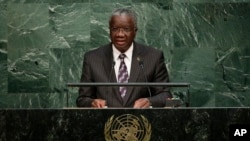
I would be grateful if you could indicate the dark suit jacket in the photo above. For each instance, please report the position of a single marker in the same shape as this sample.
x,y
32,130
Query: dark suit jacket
x,y
97,67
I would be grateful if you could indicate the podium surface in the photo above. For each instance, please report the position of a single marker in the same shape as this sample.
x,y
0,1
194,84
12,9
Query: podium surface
x,y
86,124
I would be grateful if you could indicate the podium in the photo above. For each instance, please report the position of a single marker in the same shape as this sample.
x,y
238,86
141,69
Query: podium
x,y
80,124
169,103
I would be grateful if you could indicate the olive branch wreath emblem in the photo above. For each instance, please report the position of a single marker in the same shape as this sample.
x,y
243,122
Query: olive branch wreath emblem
x,y
108,125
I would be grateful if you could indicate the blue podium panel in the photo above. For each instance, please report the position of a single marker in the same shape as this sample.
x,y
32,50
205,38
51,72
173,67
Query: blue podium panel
x,y
173,124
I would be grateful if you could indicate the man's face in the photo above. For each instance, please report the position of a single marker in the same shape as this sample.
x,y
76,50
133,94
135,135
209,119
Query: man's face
x,y
122,31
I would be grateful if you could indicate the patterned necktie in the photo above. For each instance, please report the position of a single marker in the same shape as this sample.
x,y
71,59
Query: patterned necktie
x,y
122,75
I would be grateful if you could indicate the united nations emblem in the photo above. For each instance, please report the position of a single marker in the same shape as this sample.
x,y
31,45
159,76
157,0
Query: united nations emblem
x,y
127,127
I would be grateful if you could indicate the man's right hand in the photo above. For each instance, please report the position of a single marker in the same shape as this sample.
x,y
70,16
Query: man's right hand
x,y
98,103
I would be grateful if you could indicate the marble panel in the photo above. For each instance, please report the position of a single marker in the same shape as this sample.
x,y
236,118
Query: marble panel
x,y
65,67
216,25
3,49
28,39
232,54
32,100
193,25
3,23
70,24
3,72
43,1
187,66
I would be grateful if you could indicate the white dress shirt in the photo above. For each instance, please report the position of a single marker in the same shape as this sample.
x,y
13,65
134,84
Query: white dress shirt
x,y
127,59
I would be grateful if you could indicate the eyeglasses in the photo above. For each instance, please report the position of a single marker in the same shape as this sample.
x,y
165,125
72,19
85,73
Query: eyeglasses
x,y
124,30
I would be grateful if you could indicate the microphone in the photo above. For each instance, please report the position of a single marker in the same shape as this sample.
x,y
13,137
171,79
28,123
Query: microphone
x,y
110,77
145,77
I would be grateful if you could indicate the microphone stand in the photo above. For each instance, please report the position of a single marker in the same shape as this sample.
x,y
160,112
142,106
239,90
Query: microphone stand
x,y
145,77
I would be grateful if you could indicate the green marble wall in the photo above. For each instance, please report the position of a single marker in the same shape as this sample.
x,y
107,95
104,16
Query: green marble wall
x,y
206,43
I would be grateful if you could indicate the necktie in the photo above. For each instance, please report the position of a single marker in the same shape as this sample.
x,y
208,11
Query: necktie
x,y
122,75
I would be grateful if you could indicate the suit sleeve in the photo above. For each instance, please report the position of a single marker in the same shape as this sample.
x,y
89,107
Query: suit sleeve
x,y
160,94
86,94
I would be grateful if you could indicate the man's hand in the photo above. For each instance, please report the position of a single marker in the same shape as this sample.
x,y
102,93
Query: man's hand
x,y
98,103
142,103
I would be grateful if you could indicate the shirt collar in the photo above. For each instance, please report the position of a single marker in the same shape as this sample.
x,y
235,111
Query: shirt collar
x,y
128,53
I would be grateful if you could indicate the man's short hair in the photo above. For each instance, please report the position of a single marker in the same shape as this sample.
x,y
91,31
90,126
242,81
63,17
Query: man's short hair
x,y
125,11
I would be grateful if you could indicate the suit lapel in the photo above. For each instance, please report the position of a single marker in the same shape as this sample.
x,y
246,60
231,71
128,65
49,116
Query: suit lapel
x,y
134,72
107,63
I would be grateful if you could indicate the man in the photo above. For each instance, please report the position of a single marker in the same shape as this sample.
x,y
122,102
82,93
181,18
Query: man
x,y
123,61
